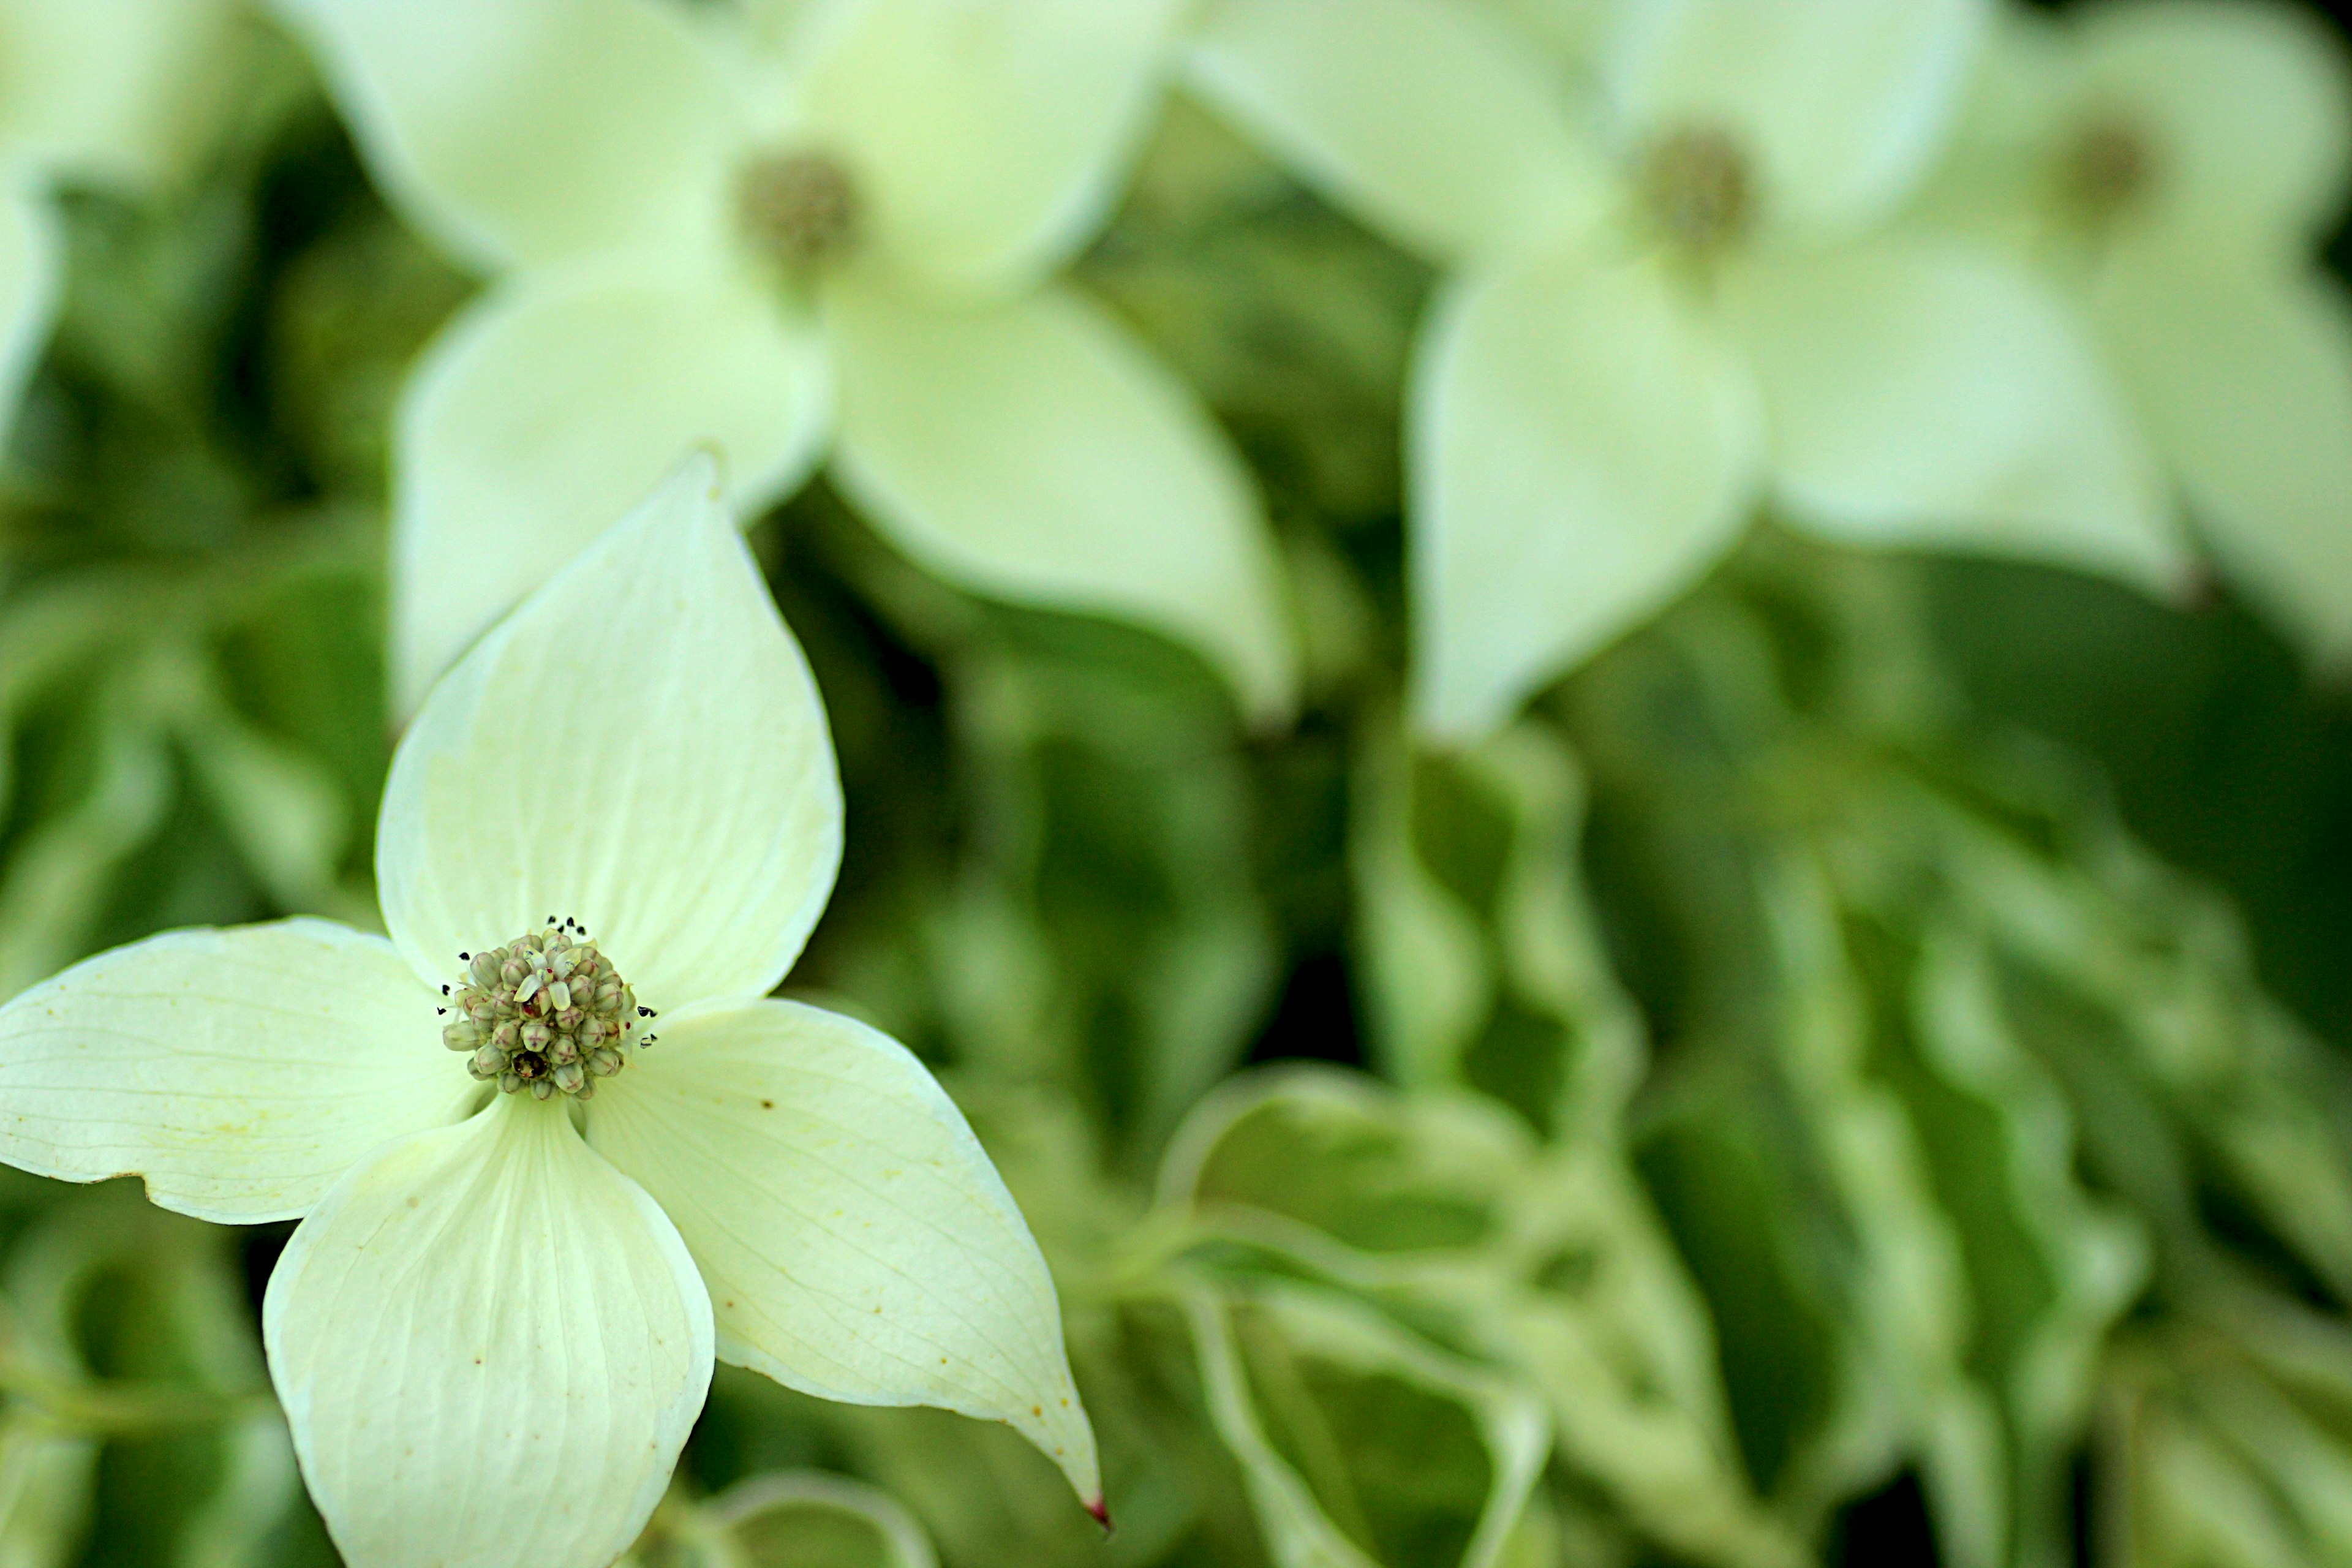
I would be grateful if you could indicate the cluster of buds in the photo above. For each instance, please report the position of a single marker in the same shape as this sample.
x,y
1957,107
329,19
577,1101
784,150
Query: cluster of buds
x,y
546,1012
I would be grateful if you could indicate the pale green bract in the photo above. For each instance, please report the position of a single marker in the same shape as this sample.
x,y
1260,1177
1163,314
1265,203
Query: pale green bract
x,y
921,168
2174,166
1675,292
496,1324
91,92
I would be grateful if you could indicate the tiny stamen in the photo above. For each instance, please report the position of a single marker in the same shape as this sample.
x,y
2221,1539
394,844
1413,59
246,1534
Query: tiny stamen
x,y
547,1012
1699,186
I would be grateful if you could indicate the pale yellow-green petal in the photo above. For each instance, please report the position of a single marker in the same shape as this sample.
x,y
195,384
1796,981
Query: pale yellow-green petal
x,y
1581,449
490,1346
551,406
2244,377
640,748
1839,104
2246,108
112,90
856,1241
241,1072
32,265
524,131
987,138
1432,118
1924,393
1038,452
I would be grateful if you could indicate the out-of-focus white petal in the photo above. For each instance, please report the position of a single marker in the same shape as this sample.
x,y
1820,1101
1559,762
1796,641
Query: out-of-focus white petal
x,y
639,747
552,407
986,137
2247,111
1840,103
1927,393
490,1346
31,275
1432,120
1037,452
856,1241
241,1072
110,89
523,131
1582,448
2245,379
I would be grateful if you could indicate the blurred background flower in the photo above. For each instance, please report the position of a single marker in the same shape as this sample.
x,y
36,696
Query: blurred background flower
x,y
1527,712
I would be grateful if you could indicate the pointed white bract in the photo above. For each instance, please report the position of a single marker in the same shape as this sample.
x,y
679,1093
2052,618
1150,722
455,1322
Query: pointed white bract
x,y
1681,293
702,225
2172,167
527,1229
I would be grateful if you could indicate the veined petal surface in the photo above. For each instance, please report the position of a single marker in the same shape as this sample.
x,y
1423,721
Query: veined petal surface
x,y
1581,449
988,136
2247,109
856,1241
553,405
1038,452
105,90
1841,104
2244,375
1428,116
241,1072
1922,393
490,1346
31,275
524,131
639,747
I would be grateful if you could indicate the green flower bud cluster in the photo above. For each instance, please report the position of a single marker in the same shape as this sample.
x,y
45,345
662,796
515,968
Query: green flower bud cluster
x,y
547,1012
798,208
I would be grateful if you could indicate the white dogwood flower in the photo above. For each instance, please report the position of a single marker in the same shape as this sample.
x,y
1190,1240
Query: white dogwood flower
x,y
92,92
836,231
553,1144
1674,294
2176,166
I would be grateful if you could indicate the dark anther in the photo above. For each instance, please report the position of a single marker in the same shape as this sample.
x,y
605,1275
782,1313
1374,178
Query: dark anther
x,y
528,1065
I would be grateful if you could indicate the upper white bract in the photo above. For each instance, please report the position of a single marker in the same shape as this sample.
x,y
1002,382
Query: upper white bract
x,y
998,426
1595,413
2202,283
495,1325
102,93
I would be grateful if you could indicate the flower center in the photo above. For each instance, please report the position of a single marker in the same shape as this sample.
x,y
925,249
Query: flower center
x,y
801,209
2105,168
1697,185
547,1012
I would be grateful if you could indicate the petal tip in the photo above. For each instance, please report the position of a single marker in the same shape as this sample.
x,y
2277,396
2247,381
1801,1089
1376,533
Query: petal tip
x,y
1101,1510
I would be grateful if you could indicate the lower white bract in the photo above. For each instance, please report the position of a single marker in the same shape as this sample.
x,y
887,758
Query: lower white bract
x,y
494,1326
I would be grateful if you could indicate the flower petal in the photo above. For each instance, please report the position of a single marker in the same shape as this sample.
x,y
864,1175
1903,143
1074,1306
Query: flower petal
x,y
640,747
1437,124
552,407
1581,450
2248,108
240,1071
2245,378
1927,393
988,136
530,129
32,265
106,90
1038,452
858,1243
1840,103
490,1346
